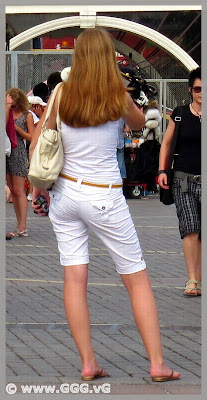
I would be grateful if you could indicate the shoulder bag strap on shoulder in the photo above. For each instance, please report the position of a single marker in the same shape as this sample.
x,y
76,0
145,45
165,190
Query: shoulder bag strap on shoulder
x,y
58,121
51,102
174,140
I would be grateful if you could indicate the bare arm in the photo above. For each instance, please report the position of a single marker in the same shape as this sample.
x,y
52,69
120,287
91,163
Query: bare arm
x,y
51,124
134,118
30,128
7,112
9,103
164,152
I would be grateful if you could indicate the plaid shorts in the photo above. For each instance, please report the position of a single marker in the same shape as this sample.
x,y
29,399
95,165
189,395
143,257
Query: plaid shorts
x,y
188,207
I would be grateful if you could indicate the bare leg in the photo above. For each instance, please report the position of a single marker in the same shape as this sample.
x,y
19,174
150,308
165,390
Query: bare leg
x,y
30,189
146,317
198,264
192,249
77,314
7,193
16,185
198,269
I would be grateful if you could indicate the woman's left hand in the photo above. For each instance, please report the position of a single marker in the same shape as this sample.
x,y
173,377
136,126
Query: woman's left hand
x,y
17,128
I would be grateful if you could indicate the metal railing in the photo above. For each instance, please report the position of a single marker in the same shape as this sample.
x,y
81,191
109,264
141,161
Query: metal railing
x,y
25,69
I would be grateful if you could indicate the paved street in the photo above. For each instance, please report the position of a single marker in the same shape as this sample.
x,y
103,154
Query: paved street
x,y
40,349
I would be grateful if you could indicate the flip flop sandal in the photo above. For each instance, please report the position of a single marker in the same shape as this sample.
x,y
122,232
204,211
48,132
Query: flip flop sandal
x,y
16,233
8,238
165,378
189,291
199,288
96,376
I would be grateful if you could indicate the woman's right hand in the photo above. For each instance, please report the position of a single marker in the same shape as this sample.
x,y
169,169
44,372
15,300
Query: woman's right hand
x,y
162,181
35,194
9,101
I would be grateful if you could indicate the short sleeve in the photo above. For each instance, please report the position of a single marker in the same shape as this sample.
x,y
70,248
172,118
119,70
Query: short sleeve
x,y
174,114
178,111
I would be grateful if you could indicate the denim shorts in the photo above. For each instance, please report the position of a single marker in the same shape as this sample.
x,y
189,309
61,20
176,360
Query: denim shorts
x,y
76,208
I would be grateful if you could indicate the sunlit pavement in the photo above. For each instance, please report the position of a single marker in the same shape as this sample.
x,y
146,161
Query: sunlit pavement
x,y
40,349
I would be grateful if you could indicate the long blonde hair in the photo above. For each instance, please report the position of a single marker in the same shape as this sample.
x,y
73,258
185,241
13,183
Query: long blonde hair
x,y
94,92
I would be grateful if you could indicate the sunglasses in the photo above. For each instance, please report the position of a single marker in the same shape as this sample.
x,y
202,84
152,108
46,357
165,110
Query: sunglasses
x,y
196,89
13,106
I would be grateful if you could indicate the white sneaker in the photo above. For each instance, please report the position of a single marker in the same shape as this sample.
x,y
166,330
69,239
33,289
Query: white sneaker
x,y
29,197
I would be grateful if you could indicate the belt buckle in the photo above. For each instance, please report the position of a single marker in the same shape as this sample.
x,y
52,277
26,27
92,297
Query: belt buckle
x,y
197,178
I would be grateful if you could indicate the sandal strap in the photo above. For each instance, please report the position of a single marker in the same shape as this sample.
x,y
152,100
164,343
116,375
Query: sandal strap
x,y
191,291
191,281
21,233
11,234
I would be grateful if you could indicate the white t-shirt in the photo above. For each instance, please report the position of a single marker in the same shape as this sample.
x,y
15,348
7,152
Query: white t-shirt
x,y
35,117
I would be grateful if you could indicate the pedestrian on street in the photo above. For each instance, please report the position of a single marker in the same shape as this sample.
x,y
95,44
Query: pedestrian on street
x,y
17,162
187,179
88,194
37,106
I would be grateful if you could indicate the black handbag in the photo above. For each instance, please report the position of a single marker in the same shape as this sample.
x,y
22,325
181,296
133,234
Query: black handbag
x,y
166,195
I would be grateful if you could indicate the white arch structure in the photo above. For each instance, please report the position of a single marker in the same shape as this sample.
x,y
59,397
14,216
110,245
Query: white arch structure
x,y
92,20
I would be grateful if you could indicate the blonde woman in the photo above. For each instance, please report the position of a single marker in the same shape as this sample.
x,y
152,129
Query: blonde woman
x,y
88,194
17,163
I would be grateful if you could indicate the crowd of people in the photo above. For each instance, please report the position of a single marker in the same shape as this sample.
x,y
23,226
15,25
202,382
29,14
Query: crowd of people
x,y
93,109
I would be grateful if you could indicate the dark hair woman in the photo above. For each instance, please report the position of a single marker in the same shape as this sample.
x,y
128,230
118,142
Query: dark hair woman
x,y
187,179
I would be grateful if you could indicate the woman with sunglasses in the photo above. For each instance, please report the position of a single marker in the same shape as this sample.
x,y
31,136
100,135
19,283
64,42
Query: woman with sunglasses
x,y
187,179
17,163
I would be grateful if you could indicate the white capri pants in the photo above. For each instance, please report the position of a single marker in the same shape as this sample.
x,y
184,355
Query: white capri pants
x,y
74,208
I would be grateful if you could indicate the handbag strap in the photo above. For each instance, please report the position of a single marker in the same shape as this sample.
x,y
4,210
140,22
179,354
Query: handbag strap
x,y
174,140
52,99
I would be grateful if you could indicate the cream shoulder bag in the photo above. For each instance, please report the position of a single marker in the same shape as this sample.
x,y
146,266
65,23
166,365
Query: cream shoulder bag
x,y
47,158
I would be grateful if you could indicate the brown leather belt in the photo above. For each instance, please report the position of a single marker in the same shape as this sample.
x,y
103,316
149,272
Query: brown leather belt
x,y
70,178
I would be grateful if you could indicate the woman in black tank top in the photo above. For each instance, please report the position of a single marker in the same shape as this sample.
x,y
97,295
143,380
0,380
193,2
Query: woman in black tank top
x,y
187,179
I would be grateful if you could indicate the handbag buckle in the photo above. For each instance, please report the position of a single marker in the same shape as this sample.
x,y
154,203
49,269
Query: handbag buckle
x,y
197,178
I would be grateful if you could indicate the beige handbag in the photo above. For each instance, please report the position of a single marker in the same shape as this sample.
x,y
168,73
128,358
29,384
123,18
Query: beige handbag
x,y
47,158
